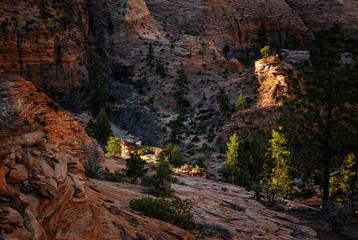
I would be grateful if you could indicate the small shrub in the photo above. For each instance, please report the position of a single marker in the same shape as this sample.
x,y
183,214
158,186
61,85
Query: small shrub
x,y
266,193
196,139
142,152
265,52
147,181
176,212
92,162
115,177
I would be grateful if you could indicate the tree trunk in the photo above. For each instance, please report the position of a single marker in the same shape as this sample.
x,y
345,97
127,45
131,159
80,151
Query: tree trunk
x,y
326,177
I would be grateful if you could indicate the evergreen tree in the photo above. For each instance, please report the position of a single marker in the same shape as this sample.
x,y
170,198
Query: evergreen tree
x,y
247,160
150,55
163,172
135,167
232,155
262,36
281,157
101,130
113,146
174,156
345,184
241,103
98,80
201,162
226,50
322,108
182,90
223,101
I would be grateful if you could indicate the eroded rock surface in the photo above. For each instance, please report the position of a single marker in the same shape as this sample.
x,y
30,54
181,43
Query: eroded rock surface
x,y
225,211
41,154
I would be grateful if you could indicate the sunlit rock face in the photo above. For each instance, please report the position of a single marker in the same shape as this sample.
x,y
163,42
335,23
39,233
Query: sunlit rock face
x,y
45,43
41,161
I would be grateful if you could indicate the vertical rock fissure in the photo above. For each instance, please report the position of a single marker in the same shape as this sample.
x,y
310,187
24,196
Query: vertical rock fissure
x,y
303,20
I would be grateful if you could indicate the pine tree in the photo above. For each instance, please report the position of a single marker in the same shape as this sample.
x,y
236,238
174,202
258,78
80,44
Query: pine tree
x,y
163,172
182,90
135,167
232,155
226,50
247,160
322,108
223,101
98,80
101,130
241,103
344,186
281,157
113,146
174,156
150,55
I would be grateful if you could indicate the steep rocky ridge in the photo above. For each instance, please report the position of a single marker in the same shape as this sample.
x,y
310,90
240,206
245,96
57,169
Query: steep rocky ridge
x,y
44,42
41,161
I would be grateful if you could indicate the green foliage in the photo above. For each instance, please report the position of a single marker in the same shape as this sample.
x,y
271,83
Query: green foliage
x,y
135,167
174,156
113,146
150,55
241,103
176,212
321,109
122,73
201,162
98,80
226,49
115,177
195,139
281,159
182,90
345,183
160,69
101,129
265,52
262,36
223,101
142,152
163,174
248,160
232,155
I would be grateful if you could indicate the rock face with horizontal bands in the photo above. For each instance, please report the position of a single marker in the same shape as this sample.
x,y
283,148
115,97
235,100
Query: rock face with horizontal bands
x,y
44,42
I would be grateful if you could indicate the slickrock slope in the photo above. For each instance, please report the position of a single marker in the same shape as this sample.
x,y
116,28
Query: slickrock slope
x,y
41,154
44,43
225,211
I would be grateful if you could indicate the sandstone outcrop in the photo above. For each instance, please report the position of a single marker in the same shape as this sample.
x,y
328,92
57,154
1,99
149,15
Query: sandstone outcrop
x,y
224,211
41,154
